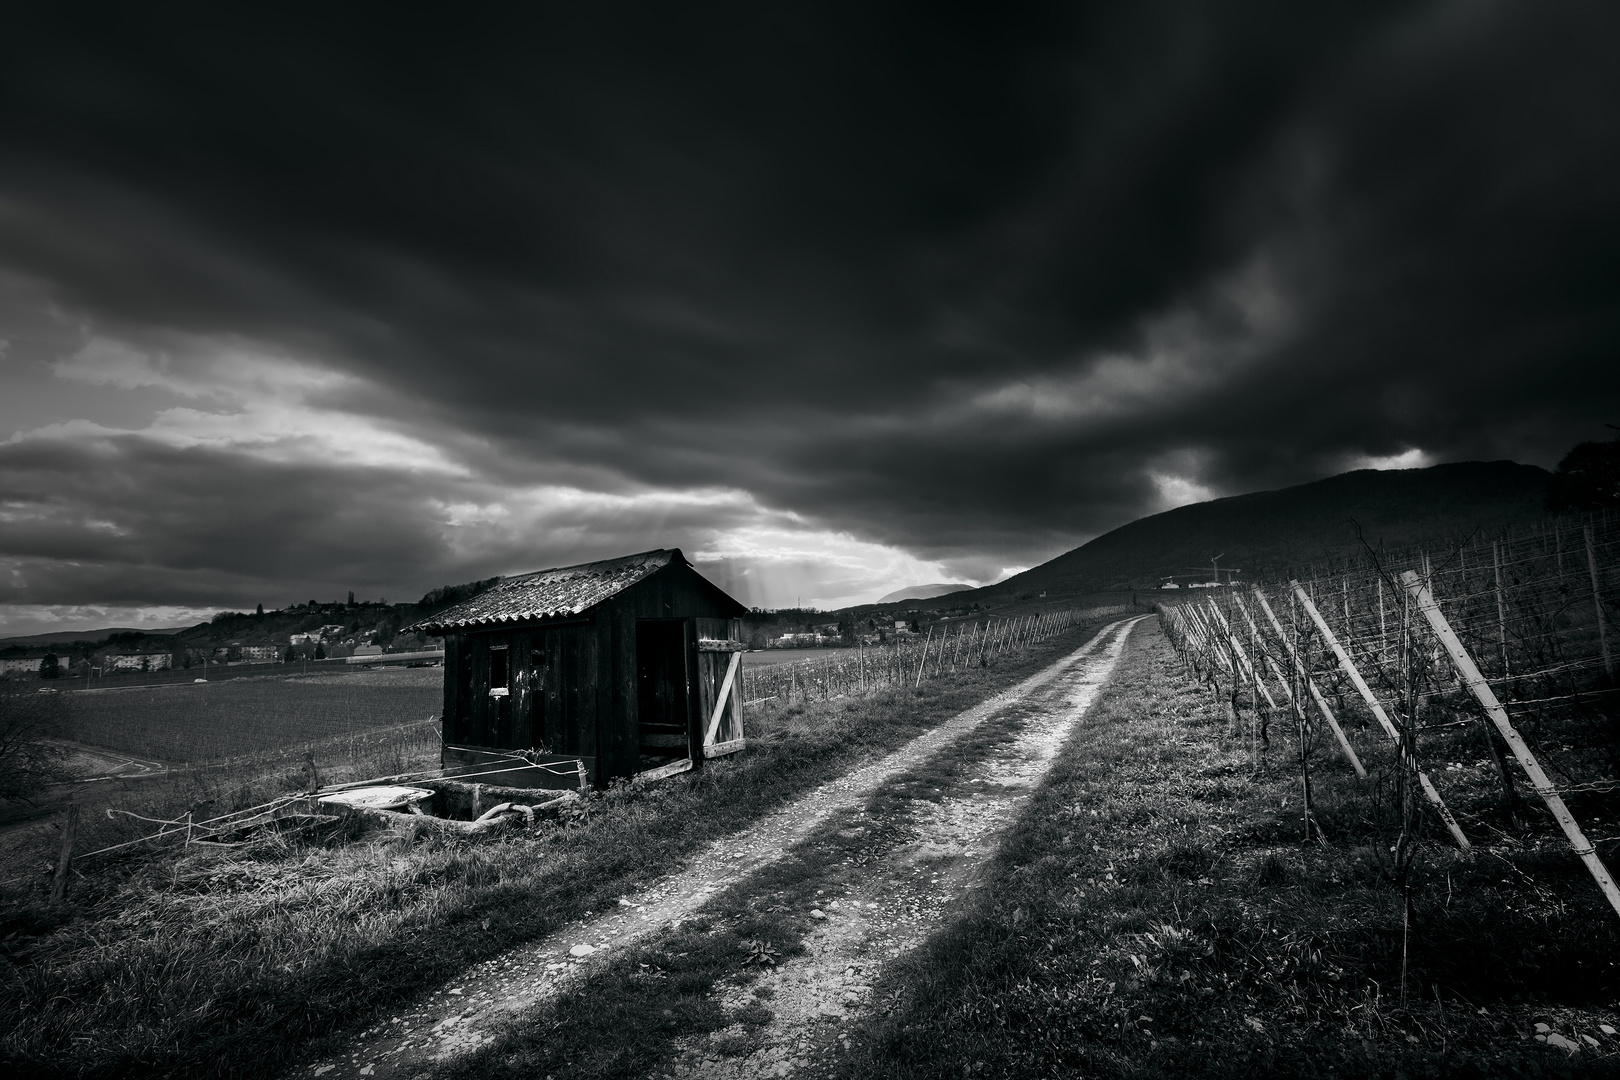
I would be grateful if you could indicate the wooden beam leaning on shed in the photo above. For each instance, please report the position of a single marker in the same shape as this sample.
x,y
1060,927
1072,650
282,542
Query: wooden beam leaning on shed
x,y
1377,709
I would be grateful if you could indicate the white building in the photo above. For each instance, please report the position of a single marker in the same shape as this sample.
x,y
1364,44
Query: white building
x,y
148,661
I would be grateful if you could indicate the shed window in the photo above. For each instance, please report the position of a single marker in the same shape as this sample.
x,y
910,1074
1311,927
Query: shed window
x,y
498,668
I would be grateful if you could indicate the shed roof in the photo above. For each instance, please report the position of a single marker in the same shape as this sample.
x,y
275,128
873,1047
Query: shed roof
x,y
544,594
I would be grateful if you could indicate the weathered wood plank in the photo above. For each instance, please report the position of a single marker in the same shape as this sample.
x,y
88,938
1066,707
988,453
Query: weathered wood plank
x,y
722,749
672,769
722,698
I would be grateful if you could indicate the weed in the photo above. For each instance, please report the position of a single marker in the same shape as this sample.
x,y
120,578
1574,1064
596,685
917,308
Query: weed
x,y
760,952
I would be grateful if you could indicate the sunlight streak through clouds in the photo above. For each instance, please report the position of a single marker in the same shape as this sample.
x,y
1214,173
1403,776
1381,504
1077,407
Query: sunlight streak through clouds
x,y
1415,458
266,406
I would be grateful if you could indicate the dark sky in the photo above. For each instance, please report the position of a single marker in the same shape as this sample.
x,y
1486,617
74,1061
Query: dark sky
x,y
837,298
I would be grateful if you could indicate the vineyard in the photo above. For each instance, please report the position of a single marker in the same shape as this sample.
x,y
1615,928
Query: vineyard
x,y
945,647
1471,689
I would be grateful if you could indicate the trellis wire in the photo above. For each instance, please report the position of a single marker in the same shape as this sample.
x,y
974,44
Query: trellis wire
x,y
949,645
1512,631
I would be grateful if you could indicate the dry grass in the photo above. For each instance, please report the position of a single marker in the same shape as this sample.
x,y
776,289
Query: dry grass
x,y
1156,913
224,963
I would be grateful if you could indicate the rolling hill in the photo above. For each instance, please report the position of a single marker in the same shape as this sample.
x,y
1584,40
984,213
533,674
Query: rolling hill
x,y
923,592
68,637
1269,534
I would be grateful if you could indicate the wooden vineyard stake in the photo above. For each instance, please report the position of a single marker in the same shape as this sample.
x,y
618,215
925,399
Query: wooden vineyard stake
x,y
1383,628
1310,685
1349,668
1261,651
1501,607
923,659
1469,672
1242,656
1597,602
70,832
1253,675
1206,638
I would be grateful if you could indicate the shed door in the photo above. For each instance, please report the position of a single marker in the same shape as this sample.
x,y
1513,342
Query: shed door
x,y
661,691
720,691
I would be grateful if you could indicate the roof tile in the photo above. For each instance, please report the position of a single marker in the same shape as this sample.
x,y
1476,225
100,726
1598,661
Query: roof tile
x,y
544,594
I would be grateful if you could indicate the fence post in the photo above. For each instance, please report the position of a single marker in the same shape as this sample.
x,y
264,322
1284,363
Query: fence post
x,y
1310,685
1597,602
70,832
1367,695
1501,607
1242,656
923,659
1482,692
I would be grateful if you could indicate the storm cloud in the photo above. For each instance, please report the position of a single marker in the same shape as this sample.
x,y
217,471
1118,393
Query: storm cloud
x,y
837,298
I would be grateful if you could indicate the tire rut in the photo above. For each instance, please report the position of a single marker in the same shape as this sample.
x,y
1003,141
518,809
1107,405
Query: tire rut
x,y
896,902
470,1010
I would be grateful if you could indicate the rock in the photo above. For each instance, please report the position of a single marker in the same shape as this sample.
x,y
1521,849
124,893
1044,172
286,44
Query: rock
x,y
1588,1040
581,950
817,913
1563,1044
1606,1029
456,991
324,1069
1542,1029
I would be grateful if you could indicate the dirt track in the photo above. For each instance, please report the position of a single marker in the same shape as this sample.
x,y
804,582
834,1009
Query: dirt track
x,y
901,897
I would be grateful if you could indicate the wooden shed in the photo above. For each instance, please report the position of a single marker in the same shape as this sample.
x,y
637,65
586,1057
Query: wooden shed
x,y
621,668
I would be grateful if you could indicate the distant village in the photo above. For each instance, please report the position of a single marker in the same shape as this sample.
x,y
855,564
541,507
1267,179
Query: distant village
x,y
358,631
362,630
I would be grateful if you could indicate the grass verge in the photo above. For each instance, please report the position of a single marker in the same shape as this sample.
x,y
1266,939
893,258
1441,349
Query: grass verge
x,y
1156,914
628,1018
212,964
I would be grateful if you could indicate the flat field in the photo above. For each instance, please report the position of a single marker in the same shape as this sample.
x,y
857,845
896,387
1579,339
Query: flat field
x,y
768,657
193,723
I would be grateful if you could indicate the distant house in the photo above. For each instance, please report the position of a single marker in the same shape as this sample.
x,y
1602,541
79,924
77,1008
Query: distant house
x,y
626,666
261,654
368,650
305,639
798,641
20,665
142,661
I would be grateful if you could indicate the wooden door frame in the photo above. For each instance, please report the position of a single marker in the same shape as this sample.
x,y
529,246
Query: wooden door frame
x,y
688,650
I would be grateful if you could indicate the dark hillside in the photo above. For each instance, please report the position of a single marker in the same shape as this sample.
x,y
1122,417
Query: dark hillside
x,y
1271,533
